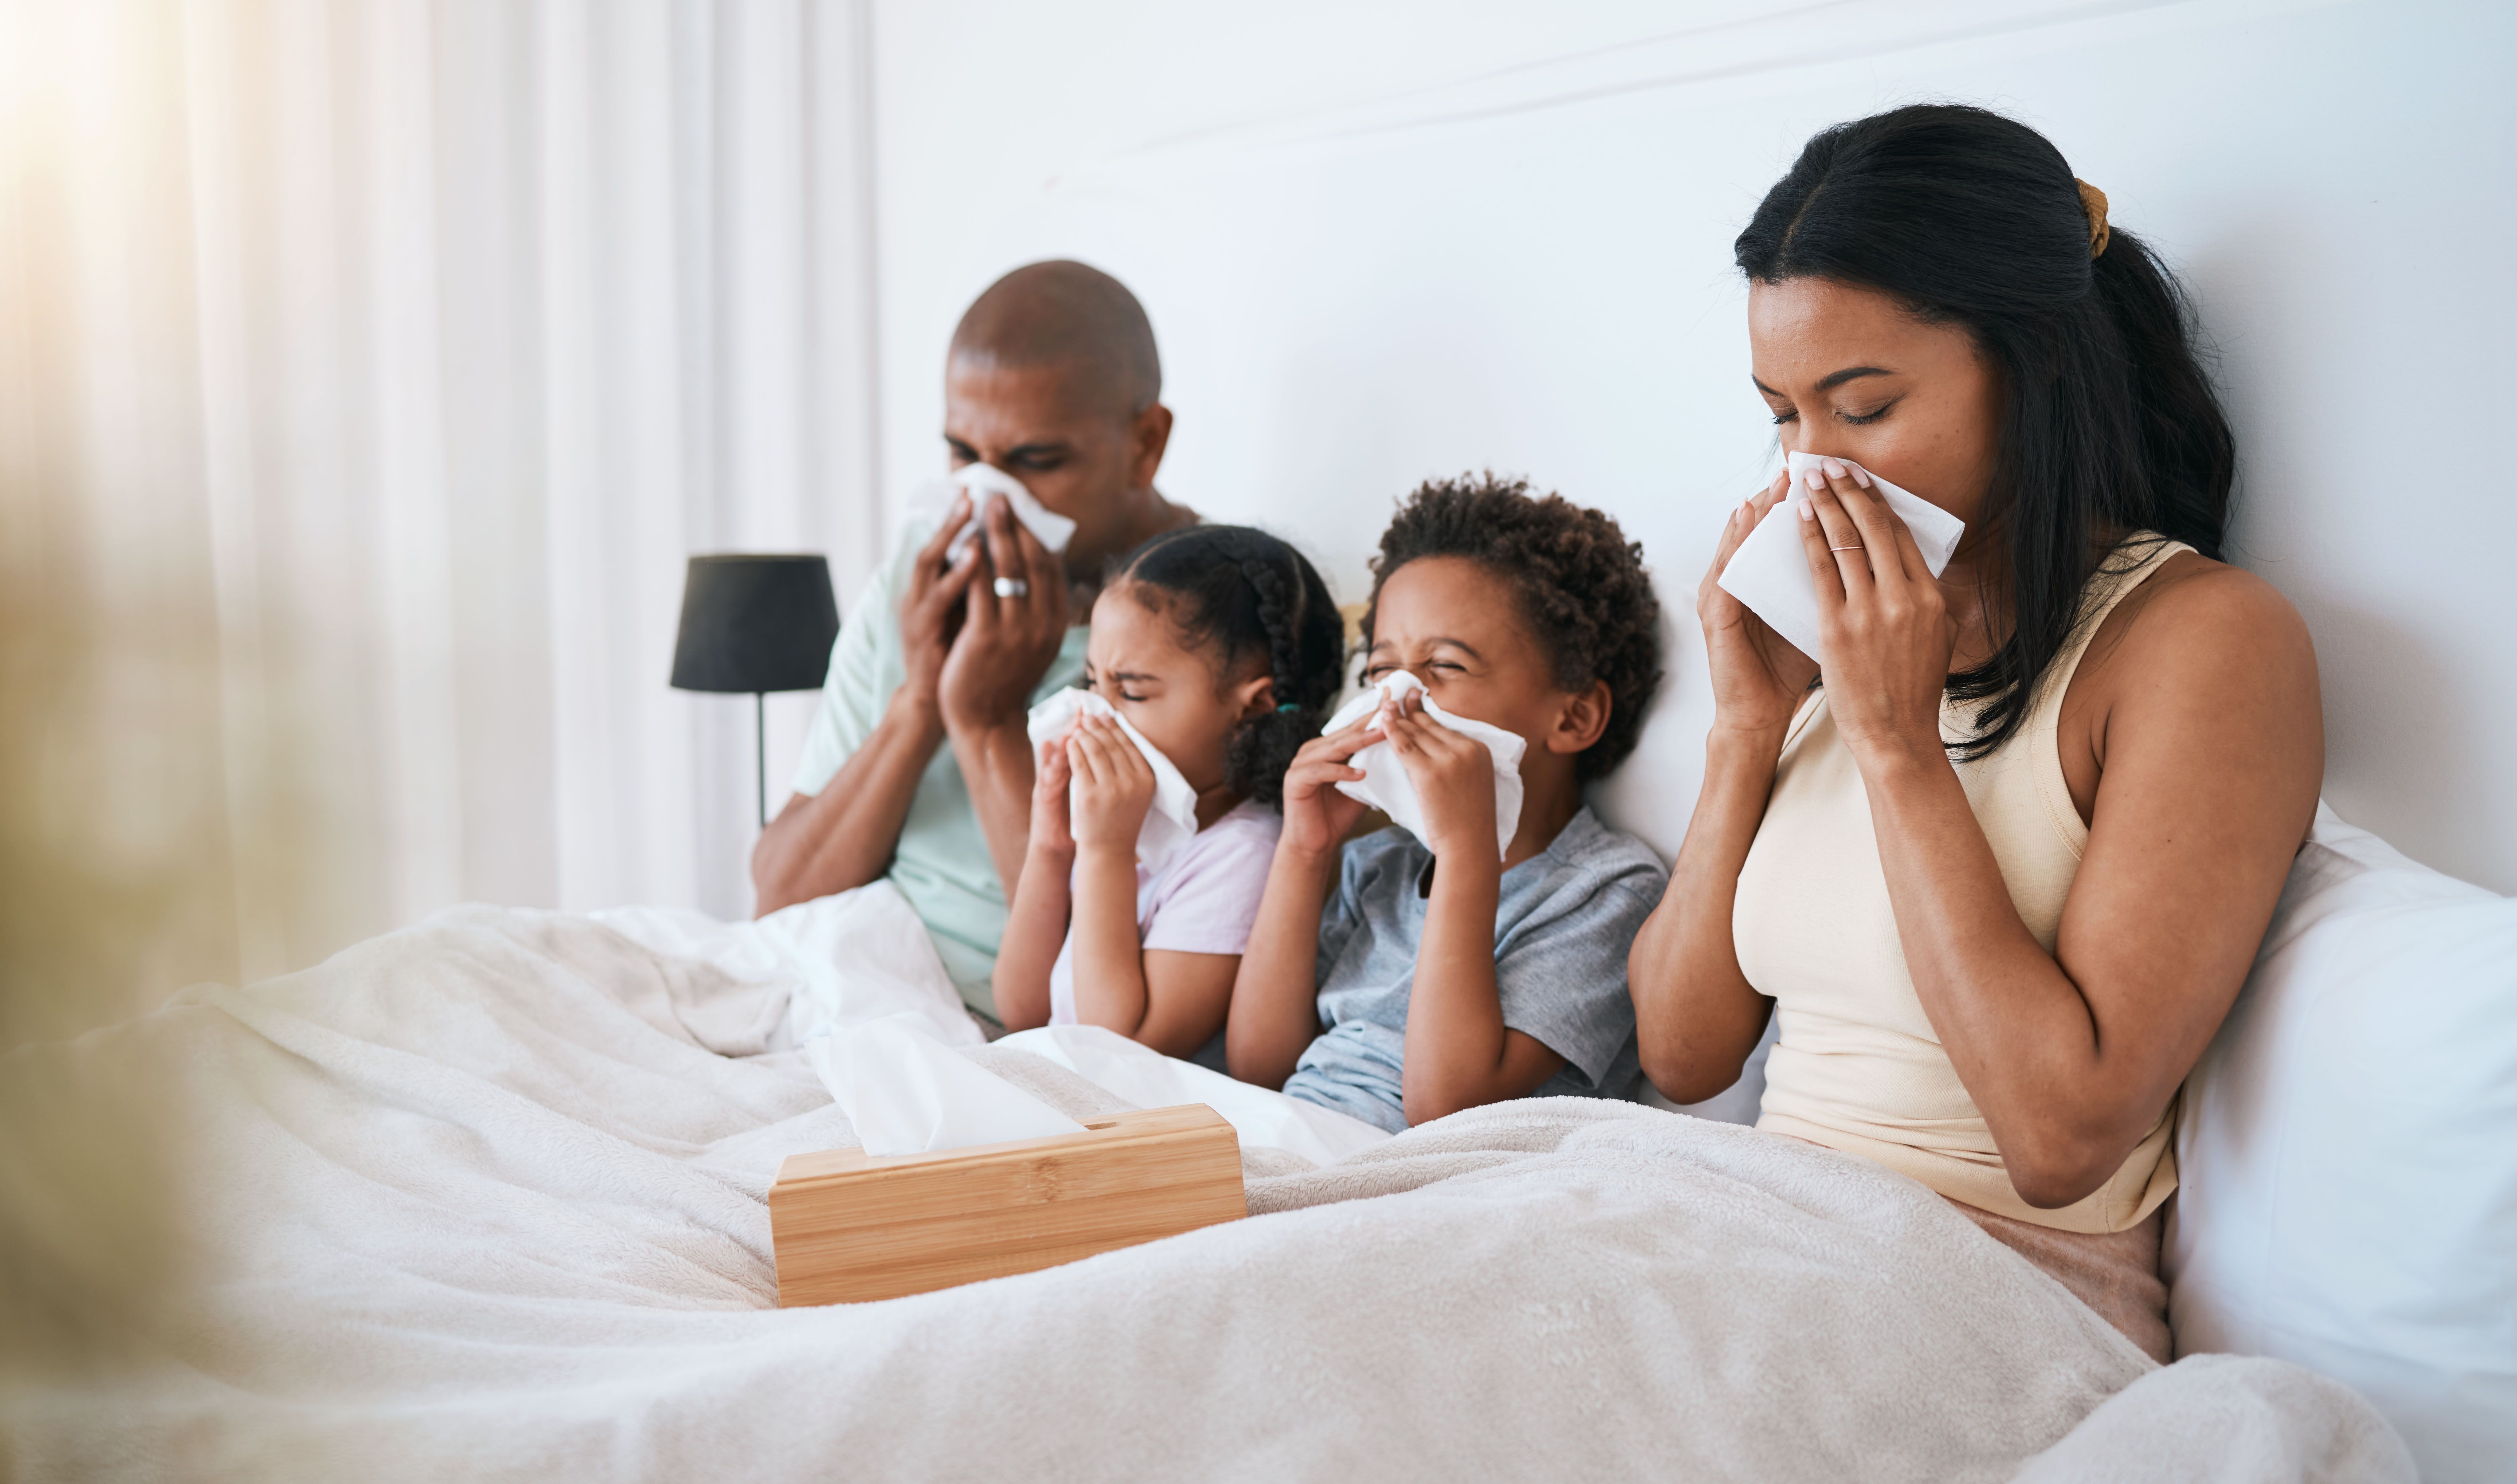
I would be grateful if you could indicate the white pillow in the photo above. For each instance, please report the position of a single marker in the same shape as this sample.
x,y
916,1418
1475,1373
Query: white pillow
x,y
2348,1152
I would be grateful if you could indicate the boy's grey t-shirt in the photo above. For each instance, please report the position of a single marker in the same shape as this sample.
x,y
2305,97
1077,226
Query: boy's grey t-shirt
x,y
1564,922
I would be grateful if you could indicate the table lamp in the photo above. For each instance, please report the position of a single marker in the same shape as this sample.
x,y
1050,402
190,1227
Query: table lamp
x,y
755,623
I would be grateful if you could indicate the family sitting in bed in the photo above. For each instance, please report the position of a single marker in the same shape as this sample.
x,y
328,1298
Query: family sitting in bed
x,y
1997,853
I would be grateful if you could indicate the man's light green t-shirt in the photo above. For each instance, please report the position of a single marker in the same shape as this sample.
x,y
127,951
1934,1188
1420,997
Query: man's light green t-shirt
x,y
942,865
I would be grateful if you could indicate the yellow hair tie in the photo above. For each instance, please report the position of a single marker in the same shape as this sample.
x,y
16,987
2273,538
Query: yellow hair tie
x,y
2093,205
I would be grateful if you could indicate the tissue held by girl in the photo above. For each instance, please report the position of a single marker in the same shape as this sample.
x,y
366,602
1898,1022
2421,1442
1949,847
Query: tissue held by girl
x,y
1401,978
1216,651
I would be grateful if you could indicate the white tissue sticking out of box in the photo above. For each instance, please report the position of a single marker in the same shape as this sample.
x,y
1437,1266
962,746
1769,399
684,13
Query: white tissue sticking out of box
x,y
1386,785
935,501
906,1093
1172,817
1769,572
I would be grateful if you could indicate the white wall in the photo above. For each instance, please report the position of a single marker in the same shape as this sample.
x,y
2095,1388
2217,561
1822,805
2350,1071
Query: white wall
x,y
1386,240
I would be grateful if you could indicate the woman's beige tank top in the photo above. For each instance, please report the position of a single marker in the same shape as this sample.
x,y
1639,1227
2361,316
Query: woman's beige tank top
x,y
1857,1066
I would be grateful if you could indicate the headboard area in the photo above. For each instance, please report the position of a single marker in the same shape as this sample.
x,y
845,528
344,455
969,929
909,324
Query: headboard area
x,y
1374,252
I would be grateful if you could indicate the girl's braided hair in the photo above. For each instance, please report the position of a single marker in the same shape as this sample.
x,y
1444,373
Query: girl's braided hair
x,y
1252,595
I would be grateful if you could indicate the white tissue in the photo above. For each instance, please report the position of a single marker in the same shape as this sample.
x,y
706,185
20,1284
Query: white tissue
x,y
935,500
1769,571
906,1093
1172,817
1386,785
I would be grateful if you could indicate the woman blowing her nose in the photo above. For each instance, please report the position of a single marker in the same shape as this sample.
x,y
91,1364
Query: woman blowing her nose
x,y
2000,854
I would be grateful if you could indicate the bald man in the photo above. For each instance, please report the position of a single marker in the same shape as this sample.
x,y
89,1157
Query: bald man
x,y
919,766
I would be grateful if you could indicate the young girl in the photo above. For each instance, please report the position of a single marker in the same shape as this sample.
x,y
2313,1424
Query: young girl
x,y
1221,647
1399,979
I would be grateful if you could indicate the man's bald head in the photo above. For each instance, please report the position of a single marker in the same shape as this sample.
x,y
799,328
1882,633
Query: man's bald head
x,y
1070,315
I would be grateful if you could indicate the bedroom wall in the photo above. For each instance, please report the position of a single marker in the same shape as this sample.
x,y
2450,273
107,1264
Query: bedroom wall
x,y
1386,240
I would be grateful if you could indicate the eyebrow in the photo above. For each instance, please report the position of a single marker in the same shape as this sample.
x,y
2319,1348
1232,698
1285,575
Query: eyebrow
x,y
1833,379
1462,646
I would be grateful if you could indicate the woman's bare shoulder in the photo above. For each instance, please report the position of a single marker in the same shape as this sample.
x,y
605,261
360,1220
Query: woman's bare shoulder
x,y
2196,616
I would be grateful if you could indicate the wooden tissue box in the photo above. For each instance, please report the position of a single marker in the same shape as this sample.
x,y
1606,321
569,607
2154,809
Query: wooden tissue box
x,y
849,1226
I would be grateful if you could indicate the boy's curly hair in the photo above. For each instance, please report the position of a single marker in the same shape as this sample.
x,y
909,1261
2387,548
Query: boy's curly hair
x,y
1583,589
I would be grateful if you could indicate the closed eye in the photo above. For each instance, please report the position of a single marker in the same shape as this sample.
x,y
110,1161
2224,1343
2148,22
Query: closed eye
x,y
1864,419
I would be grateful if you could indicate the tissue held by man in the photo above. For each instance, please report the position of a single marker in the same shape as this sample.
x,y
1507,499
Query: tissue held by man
x,y
1386,785
1054,530
1770,572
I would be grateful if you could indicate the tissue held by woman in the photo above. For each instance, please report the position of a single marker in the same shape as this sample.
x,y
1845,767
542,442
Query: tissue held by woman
x,y
1216,651
1412,974
2001,870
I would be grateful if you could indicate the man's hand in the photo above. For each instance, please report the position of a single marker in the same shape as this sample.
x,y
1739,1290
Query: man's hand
x,y
1007,639
1454,776
930,610
1114,786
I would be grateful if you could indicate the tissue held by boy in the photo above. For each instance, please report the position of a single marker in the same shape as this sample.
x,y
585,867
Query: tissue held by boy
x,y
1386,785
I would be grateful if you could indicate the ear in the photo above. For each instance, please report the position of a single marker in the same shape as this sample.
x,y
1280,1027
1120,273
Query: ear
x,y
1148,437
1253,698
1580,721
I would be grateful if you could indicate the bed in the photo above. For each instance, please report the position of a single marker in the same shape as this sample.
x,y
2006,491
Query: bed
x,y
484,1198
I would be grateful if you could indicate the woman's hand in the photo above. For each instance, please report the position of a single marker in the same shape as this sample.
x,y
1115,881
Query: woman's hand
x,y
1454,776
1882,623
1317,816
1112,785
1758,679
1050,831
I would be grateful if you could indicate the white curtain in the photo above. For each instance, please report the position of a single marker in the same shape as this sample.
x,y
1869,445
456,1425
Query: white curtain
x,y
368,368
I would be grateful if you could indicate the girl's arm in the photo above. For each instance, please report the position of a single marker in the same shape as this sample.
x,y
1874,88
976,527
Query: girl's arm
x,y
1696,1017
1114,787
2207,730
1275,1009
1035,926
1459,1053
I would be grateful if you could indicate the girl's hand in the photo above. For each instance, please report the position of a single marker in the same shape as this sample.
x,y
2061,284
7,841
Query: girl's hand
x,y
1049,828
1758,679
1113,787
1317,816
1454,775
1883,625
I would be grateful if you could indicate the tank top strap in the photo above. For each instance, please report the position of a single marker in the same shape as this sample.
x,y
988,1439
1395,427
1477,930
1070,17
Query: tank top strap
x,y
2130,565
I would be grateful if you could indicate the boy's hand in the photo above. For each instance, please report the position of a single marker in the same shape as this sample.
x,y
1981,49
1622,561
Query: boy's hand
x,y
1317,816
1049,830
1454,777
1113,787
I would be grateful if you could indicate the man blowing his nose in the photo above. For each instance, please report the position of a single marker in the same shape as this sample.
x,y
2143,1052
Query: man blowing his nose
x,y
918,766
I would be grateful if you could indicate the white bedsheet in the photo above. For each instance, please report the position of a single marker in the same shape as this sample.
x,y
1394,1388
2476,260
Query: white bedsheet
x,y
483,1199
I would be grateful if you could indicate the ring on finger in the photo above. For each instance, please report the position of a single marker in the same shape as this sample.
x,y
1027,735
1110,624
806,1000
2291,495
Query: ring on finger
x,y
1855,546
1012,587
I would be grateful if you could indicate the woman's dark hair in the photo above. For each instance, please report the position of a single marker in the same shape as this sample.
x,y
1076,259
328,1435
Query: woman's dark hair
x,y
1583,590
2109,427
1253,596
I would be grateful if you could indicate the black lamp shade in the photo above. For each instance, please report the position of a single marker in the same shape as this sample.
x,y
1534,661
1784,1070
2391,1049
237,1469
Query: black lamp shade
x,y
755,623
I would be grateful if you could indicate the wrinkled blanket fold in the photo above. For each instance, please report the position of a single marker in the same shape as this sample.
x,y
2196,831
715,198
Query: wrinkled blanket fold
x,y
484,1199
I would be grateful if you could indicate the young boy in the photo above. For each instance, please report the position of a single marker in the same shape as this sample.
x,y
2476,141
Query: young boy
x,y
1401,979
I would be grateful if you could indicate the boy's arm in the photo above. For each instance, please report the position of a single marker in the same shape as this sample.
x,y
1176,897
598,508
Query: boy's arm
x,y
1275,998
1036,925
1459,1054
1275,1009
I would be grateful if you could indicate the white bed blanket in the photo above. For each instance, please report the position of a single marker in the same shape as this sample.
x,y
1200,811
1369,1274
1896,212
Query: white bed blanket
x,y
483,1199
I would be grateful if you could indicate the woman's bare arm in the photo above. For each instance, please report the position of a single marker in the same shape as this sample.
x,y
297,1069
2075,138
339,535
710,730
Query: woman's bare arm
x,y
1696,1017
2205,709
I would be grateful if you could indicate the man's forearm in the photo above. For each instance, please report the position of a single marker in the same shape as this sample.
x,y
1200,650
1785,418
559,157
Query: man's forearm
x,y
845,836
997,767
